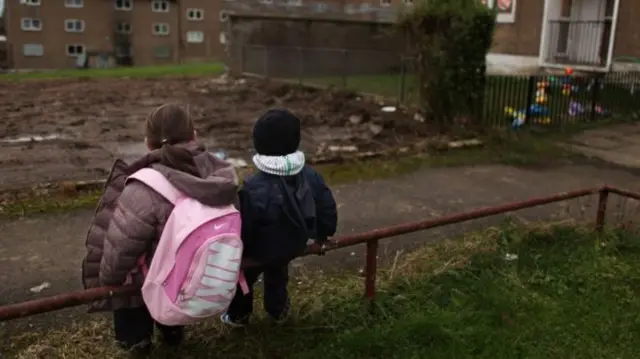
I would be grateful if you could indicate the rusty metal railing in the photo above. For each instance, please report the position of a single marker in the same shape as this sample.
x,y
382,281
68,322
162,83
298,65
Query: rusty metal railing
x,y
369,238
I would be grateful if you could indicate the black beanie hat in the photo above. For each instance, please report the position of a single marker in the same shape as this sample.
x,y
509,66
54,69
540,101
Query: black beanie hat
x,y
276,133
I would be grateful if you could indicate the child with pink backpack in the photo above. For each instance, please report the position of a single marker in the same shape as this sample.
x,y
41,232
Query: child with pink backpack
x,y
166,222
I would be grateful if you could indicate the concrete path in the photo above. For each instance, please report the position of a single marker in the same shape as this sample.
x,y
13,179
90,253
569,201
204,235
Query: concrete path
x,y
619,144
50,248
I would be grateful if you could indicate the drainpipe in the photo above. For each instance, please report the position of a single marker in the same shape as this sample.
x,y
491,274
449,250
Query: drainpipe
x,y
180,34
612,36
9,44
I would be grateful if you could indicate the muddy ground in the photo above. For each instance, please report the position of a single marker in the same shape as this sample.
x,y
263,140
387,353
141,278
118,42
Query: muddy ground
x,y
56,130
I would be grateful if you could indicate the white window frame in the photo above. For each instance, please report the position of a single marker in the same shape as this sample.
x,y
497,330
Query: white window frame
x,y
41,46
222,38
160,6
30,27
84,50
160,25
127,5
30,2
194,11
74,4
385,3
198,40
322,7
74,21
504,18
120,28
223,16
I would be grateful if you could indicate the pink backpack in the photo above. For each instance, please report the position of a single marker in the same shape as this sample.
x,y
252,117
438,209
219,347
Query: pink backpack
x,y
196,267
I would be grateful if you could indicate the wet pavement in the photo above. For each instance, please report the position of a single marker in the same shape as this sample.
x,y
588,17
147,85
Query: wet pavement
x,y
50,248
617,144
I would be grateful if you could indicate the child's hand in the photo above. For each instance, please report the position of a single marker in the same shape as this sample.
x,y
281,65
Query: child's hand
x,y
318,248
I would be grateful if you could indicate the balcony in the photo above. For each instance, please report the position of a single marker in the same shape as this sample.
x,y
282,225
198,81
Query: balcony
x,y
578,43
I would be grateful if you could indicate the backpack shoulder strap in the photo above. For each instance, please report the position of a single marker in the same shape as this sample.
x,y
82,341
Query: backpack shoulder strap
x,y
158,183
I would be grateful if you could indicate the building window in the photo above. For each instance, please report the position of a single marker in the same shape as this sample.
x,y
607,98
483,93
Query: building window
x,y
161,29
506,9
195,14
74,3
124,51
32,50
74,50
223,38
385,2
224,16
30,2
124,5
322,7
195,37
123,28
160,6
162,52
74,25
31,24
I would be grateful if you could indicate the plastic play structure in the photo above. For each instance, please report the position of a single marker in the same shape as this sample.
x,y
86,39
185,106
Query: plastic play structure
x,y
539,113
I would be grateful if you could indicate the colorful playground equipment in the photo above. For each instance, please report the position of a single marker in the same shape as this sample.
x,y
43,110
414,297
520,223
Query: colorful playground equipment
x,y
539,113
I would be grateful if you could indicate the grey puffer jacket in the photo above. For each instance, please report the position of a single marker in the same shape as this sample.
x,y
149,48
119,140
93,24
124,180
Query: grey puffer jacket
x,y
129,219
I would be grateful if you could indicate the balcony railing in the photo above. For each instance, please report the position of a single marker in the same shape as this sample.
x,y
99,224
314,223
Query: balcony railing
x,y
583,43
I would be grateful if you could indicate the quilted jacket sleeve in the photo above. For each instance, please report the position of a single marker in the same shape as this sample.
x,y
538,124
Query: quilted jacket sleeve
x,y
130,233
326,209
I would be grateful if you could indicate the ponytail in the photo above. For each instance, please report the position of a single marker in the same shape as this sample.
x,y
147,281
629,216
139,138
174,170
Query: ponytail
x,y
178,158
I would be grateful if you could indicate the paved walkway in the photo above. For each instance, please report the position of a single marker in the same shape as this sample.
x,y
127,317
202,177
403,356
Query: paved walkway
x,y
50,248
618,144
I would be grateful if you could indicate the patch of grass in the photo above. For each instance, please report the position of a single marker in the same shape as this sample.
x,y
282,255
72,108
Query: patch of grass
x,y
52,202
524,149
198,69
553,292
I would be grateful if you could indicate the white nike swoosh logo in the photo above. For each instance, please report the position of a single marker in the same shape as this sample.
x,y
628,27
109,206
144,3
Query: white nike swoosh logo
x,y
217,226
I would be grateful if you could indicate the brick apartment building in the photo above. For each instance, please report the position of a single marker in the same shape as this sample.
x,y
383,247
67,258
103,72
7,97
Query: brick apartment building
x,y
591,34
46,34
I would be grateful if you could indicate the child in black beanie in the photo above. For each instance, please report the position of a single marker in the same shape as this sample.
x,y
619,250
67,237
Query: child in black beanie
x,y
283,206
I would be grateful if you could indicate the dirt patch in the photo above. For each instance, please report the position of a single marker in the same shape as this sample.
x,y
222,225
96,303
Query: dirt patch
x,y
72,129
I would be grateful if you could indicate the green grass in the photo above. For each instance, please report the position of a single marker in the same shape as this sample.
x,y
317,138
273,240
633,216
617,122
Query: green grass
x,y
554,292
196,69
522,149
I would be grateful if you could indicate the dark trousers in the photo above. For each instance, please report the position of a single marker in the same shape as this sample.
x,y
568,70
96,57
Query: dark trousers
x,y
276,297
134,329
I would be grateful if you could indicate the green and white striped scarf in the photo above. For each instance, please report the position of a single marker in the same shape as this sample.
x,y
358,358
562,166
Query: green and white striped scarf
x,y
288,165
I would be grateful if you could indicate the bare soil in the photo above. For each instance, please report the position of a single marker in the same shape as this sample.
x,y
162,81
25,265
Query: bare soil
x,y
55,130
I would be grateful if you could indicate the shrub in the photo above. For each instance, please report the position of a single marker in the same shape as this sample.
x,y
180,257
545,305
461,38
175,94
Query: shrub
x,y
448,41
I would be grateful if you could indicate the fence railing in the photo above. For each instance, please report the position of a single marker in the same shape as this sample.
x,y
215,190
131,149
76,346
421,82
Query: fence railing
x,y
509,100
371,238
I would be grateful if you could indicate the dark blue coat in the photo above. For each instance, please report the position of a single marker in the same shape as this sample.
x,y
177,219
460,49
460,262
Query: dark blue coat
x,y
279,214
